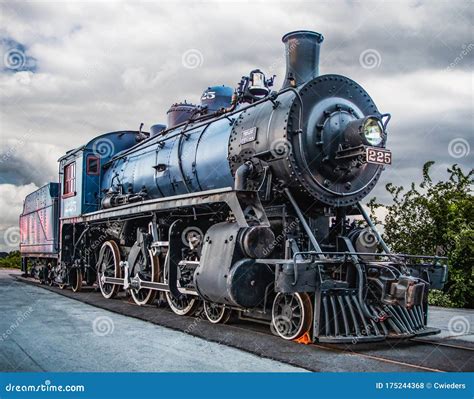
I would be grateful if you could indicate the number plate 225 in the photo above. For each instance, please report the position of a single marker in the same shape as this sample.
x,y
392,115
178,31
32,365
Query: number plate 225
x,y
378,156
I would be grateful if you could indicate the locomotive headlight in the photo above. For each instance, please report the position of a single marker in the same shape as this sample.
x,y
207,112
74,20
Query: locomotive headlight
x,y
368,131
372,131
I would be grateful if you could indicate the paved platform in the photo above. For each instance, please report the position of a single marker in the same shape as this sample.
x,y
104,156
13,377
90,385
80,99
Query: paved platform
x,y
455,324
448,352
43,331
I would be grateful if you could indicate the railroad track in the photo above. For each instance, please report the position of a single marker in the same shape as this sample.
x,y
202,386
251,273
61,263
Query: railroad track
x,y
449,345
394,351
418,354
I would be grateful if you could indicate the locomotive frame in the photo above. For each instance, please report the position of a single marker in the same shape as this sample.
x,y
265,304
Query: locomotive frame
x,y
237,241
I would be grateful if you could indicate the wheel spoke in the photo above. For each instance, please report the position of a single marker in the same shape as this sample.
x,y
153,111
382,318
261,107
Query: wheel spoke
x,y
216,313
109,267
108,258
291,315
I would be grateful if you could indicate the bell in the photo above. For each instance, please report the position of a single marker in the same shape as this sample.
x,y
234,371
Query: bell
x,y
258,84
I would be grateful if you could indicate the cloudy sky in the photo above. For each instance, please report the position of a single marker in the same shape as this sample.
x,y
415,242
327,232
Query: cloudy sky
x,y
70,71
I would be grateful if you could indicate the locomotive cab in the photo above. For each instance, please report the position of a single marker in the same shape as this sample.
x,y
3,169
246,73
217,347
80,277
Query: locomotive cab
x,y
80,171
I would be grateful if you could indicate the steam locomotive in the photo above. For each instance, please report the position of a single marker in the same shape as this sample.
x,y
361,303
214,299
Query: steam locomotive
x,y
247,204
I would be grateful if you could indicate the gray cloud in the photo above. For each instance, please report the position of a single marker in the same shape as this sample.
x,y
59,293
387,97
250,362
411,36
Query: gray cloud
x,y
103,67
22,170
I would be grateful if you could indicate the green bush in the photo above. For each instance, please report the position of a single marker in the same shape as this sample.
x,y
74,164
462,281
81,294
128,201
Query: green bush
x,y
11,261
436,219
439,298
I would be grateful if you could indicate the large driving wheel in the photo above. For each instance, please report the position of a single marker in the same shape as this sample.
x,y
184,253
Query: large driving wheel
x,y
109,266
76,279
217,313
149,271
187,305
292,315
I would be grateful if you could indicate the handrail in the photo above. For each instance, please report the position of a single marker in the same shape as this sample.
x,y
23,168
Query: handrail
x,y
164,136
344,255
380,254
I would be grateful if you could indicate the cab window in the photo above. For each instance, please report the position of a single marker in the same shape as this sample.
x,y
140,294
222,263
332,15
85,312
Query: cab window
x,y
69,186
93,165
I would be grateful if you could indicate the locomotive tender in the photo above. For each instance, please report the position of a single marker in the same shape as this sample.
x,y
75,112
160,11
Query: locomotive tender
x,y
248,204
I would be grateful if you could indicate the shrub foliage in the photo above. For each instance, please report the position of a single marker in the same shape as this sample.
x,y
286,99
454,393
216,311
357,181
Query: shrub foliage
x,y
436,219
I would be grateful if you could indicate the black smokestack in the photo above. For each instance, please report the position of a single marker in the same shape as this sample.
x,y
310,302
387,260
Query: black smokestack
x,y
302,56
